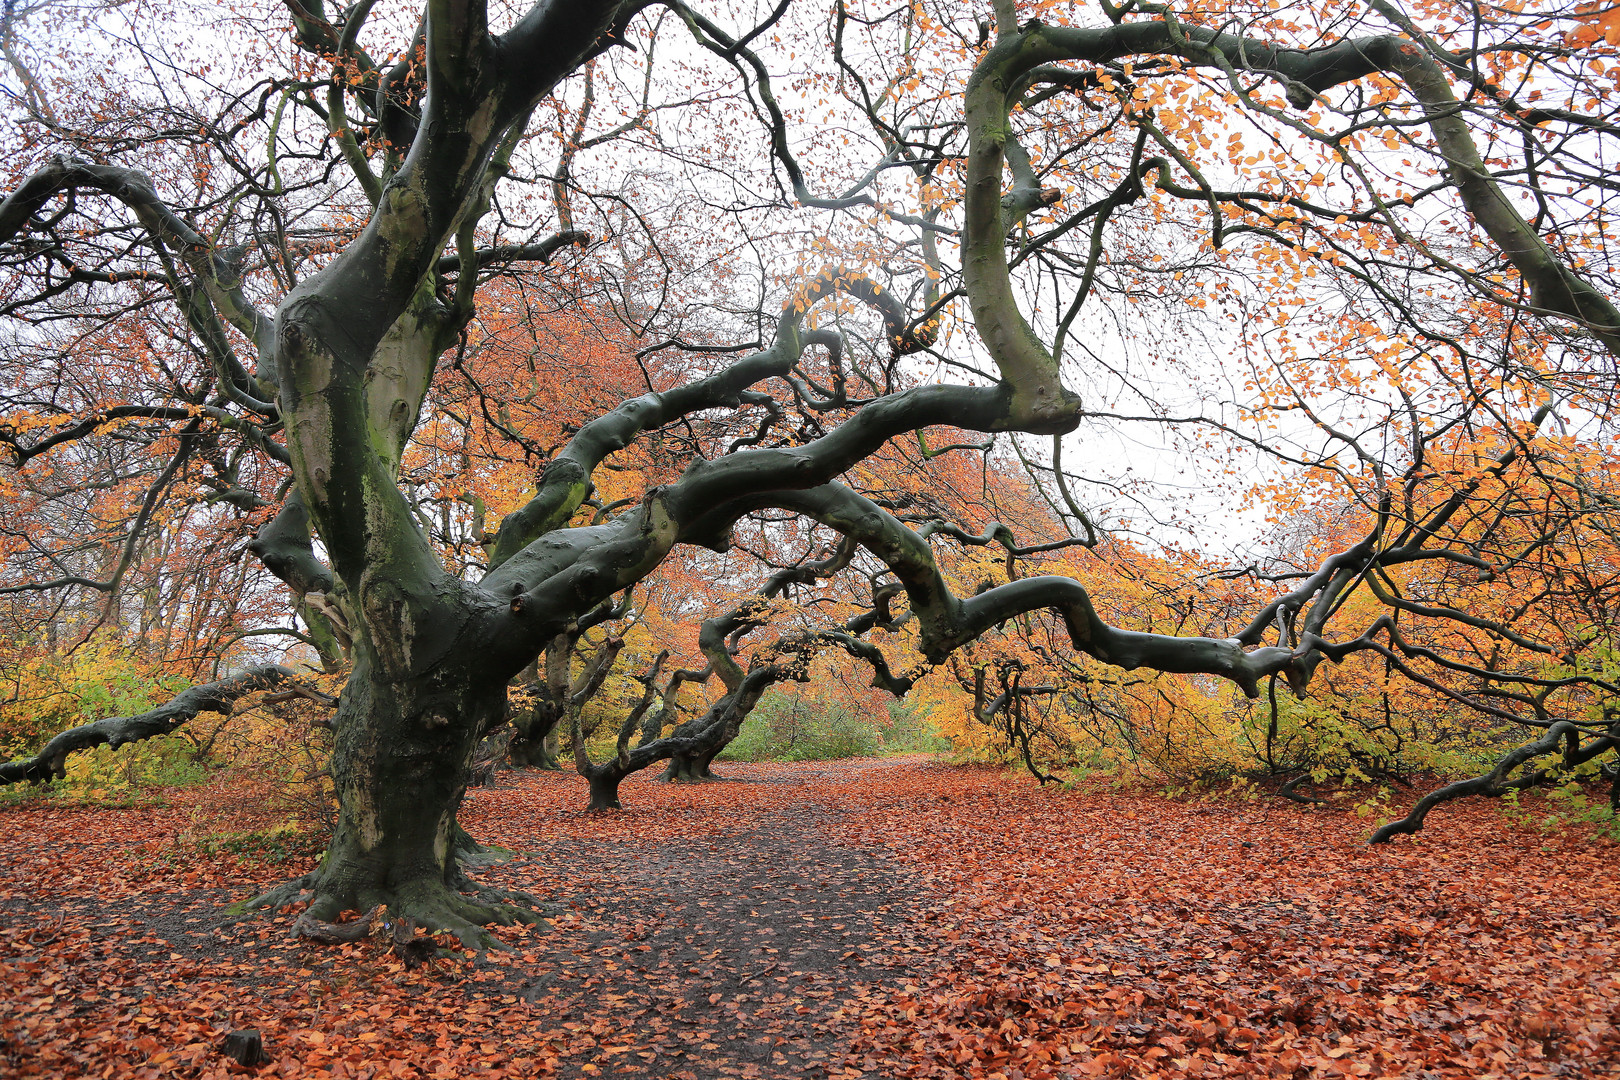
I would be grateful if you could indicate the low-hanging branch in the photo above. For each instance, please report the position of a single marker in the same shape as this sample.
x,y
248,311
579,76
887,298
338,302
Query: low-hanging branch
x,y
1495,783
566,478
948,622
50,762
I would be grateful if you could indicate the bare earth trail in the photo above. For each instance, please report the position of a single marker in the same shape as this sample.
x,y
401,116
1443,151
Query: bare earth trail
x,y
715,936
870,918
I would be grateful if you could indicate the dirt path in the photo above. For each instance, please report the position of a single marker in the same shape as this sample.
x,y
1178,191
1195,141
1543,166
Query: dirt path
x,y
727,951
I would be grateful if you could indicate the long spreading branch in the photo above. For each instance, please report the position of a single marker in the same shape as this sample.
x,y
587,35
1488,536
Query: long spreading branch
x,y
115,731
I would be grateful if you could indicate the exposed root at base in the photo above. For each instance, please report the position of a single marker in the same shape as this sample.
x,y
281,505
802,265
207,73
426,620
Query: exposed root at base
x,y
283,895
429,904
484,855
399,933
515,898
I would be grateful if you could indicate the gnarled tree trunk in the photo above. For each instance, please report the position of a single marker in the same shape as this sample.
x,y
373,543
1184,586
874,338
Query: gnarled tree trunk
x,y
692,768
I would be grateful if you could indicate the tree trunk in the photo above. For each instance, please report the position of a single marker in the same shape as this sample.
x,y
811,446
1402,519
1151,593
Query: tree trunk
x,y
691,768
679,770
487,758
534,738
531,753
400,762
604,781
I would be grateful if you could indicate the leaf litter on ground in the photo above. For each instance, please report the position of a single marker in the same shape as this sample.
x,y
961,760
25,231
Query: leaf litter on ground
x,y
893,918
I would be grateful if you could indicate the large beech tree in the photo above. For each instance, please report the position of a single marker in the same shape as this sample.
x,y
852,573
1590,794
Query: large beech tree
x,y
1440,177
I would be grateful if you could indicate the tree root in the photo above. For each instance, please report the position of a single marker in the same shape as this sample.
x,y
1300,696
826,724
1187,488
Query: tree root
x,y
515,898
432,905
705,778
399,933
470,852
486,855
284,895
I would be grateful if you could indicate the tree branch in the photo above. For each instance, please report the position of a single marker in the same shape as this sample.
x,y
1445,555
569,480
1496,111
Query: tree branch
x,y
1495,783
115,731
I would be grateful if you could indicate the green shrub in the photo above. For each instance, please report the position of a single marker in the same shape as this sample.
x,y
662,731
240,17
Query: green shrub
x,y
789,726
910,732
51,692
1576,801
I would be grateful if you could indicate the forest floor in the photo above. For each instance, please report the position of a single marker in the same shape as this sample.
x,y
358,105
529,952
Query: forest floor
x,y
893,918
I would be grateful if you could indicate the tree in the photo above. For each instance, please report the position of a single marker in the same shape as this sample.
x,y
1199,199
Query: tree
x,y
1401,241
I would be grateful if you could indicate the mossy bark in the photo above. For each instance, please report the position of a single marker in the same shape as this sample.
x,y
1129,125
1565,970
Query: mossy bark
x,y
400,762
534,753
691,768
534,734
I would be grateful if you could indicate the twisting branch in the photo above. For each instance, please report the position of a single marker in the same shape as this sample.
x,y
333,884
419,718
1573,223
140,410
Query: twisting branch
x,y
632,719
115,731
1495,784
1012,703
948,622
566,478
511,253
213,269
287,550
